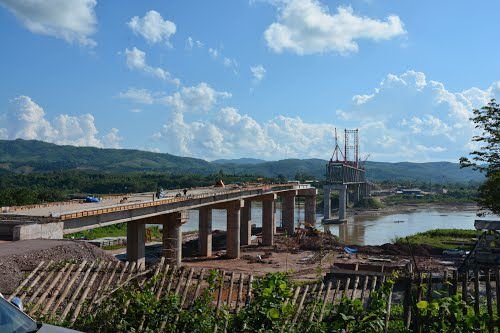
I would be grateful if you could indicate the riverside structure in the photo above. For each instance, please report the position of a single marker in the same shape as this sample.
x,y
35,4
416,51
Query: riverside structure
x,y
54,220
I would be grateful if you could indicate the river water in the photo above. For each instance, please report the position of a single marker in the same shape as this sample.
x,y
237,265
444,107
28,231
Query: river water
x,y
362,229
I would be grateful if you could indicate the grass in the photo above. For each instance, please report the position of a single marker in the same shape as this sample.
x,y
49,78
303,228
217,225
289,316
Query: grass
x,y
115,230
440,237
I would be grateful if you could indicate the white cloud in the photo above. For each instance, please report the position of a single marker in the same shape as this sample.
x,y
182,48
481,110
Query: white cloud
x,y
410,117
307,27
191,43
73,21
152,27
406,117
136,60
213,53
231,134
26,119
201,97
142,96
258,72
112,139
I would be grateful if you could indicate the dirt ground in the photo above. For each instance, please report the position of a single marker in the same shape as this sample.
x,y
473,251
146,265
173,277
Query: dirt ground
x,y
17,258
306,256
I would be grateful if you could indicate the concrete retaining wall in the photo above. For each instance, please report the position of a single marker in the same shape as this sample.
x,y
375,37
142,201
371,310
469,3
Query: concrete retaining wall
x,y
38,231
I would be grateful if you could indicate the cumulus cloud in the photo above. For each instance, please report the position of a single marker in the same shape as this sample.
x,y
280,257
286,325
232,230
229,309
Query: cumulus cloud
x,y
229,133
25,119
258,72
410,117
307,27
405,117
152,27
136,60
73,21
199,98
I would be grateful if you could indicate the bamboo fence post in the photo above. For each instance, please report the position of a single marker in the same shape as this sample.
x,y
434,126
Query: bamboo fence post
x,y
159,289
489,305
186,288
48,289
25,281
198,285
69,285
240,293
325,300
75,294
388,311
249,290
85,293
58,289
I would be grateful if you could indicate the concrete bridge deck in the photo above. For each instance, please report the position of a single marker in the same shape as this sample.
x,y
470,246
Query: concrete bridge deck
x,y
55,219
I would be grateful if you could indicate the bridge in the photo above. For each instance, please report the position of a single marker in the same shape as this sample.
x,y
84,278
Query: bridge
x,y
53,220
342,174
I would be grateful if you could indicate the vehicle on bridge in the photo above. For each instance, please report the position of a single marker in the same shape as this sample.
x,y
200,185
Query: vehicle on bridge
x,y
91,198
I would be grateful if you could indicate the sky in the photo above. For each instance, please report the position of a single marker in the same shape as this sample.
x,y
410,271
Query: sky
x,y
268,79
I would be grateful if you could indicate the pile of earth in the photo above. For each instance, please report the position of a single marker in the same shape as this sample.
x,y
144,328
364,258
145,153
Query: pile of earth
x,y
19,258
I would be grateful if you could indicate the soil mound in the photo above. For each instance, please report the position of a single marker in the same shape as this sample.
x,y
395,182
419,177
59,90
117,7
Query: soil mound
x,y
19,258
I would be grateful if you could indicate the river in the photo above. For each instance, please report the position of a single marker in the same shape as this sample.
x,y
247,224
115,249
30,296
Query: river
x,y
364,229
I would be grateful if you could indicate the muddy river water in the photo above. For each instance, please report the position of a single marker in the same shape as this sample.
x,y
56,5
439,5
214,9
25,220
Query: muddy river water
x,y
365,229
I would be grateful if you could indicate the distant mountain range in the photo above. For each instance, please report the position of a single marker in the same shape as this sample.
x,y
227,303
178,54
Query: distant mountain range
x,y
27,156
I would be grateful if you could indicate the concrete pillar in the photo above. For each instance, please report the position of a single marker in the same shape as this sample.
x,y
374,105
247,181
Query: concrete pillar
x,y
233,230
136,247
246,223
358,193
342,201
327,203
310,210
288,213
172,237
268,222
205,231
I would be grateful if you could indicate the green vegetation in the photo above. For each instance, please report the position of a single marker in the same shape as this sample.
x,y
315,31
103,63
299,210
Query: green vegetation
x,y
136,309
22,156
441,238
487,158
115,230
370,203
24,189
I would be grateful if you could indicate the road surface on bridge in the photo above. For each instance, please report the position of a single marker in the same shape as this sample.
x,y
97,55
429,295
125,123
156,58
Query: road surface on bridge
x,y
57,209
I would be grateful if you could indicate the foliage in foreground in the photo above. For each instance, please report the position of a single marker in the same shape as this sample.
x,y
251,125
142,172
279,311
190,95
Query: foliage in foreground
x,y
487,157
137,309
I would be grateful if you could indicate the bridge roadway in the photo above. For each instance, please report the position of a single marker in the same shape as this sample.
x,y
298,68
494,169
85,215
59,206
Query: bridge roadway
x,y
55,219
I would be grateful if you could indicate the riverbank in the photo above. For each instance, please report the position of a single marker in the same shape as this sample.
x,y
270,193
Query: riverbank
x,y
413,207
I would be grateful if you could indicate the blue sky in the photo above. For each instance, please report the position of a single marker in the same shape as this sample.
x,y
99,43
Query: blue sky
x,y
265,79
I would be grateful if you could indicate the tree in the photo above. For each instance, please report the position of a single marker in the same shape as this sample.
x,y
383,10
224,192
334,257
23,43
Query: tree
x,y
487,158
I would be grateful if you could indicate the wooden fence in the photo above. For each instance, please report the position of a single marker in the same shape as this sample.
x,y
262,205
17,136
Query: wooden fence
x,y
60,290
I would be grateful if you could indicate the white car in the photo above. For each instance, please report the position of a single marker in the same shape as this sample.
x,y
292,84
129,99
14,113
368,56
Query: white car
x,y
14,320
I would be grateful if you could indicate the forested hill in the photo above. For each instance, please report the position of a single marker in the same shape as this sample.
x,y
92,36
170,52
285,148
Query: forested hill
x,y
26,156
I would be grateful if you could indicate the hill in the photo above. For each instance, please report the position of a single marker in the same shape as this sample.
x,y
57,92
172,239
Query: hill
x,y
239,161
27,156
24,156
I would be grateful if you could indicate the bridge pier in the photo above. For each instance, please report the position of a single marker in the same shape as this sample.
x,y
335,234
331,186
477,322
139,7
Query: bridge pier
x,y
342,189
136,245
310,210
268,222
205,231
233,230
327,202
246,223
288,211
172,236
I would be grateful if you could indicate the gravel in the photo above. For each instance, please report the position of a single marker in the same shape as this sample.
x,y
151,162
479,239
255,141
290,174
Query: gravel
x,y
17,259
